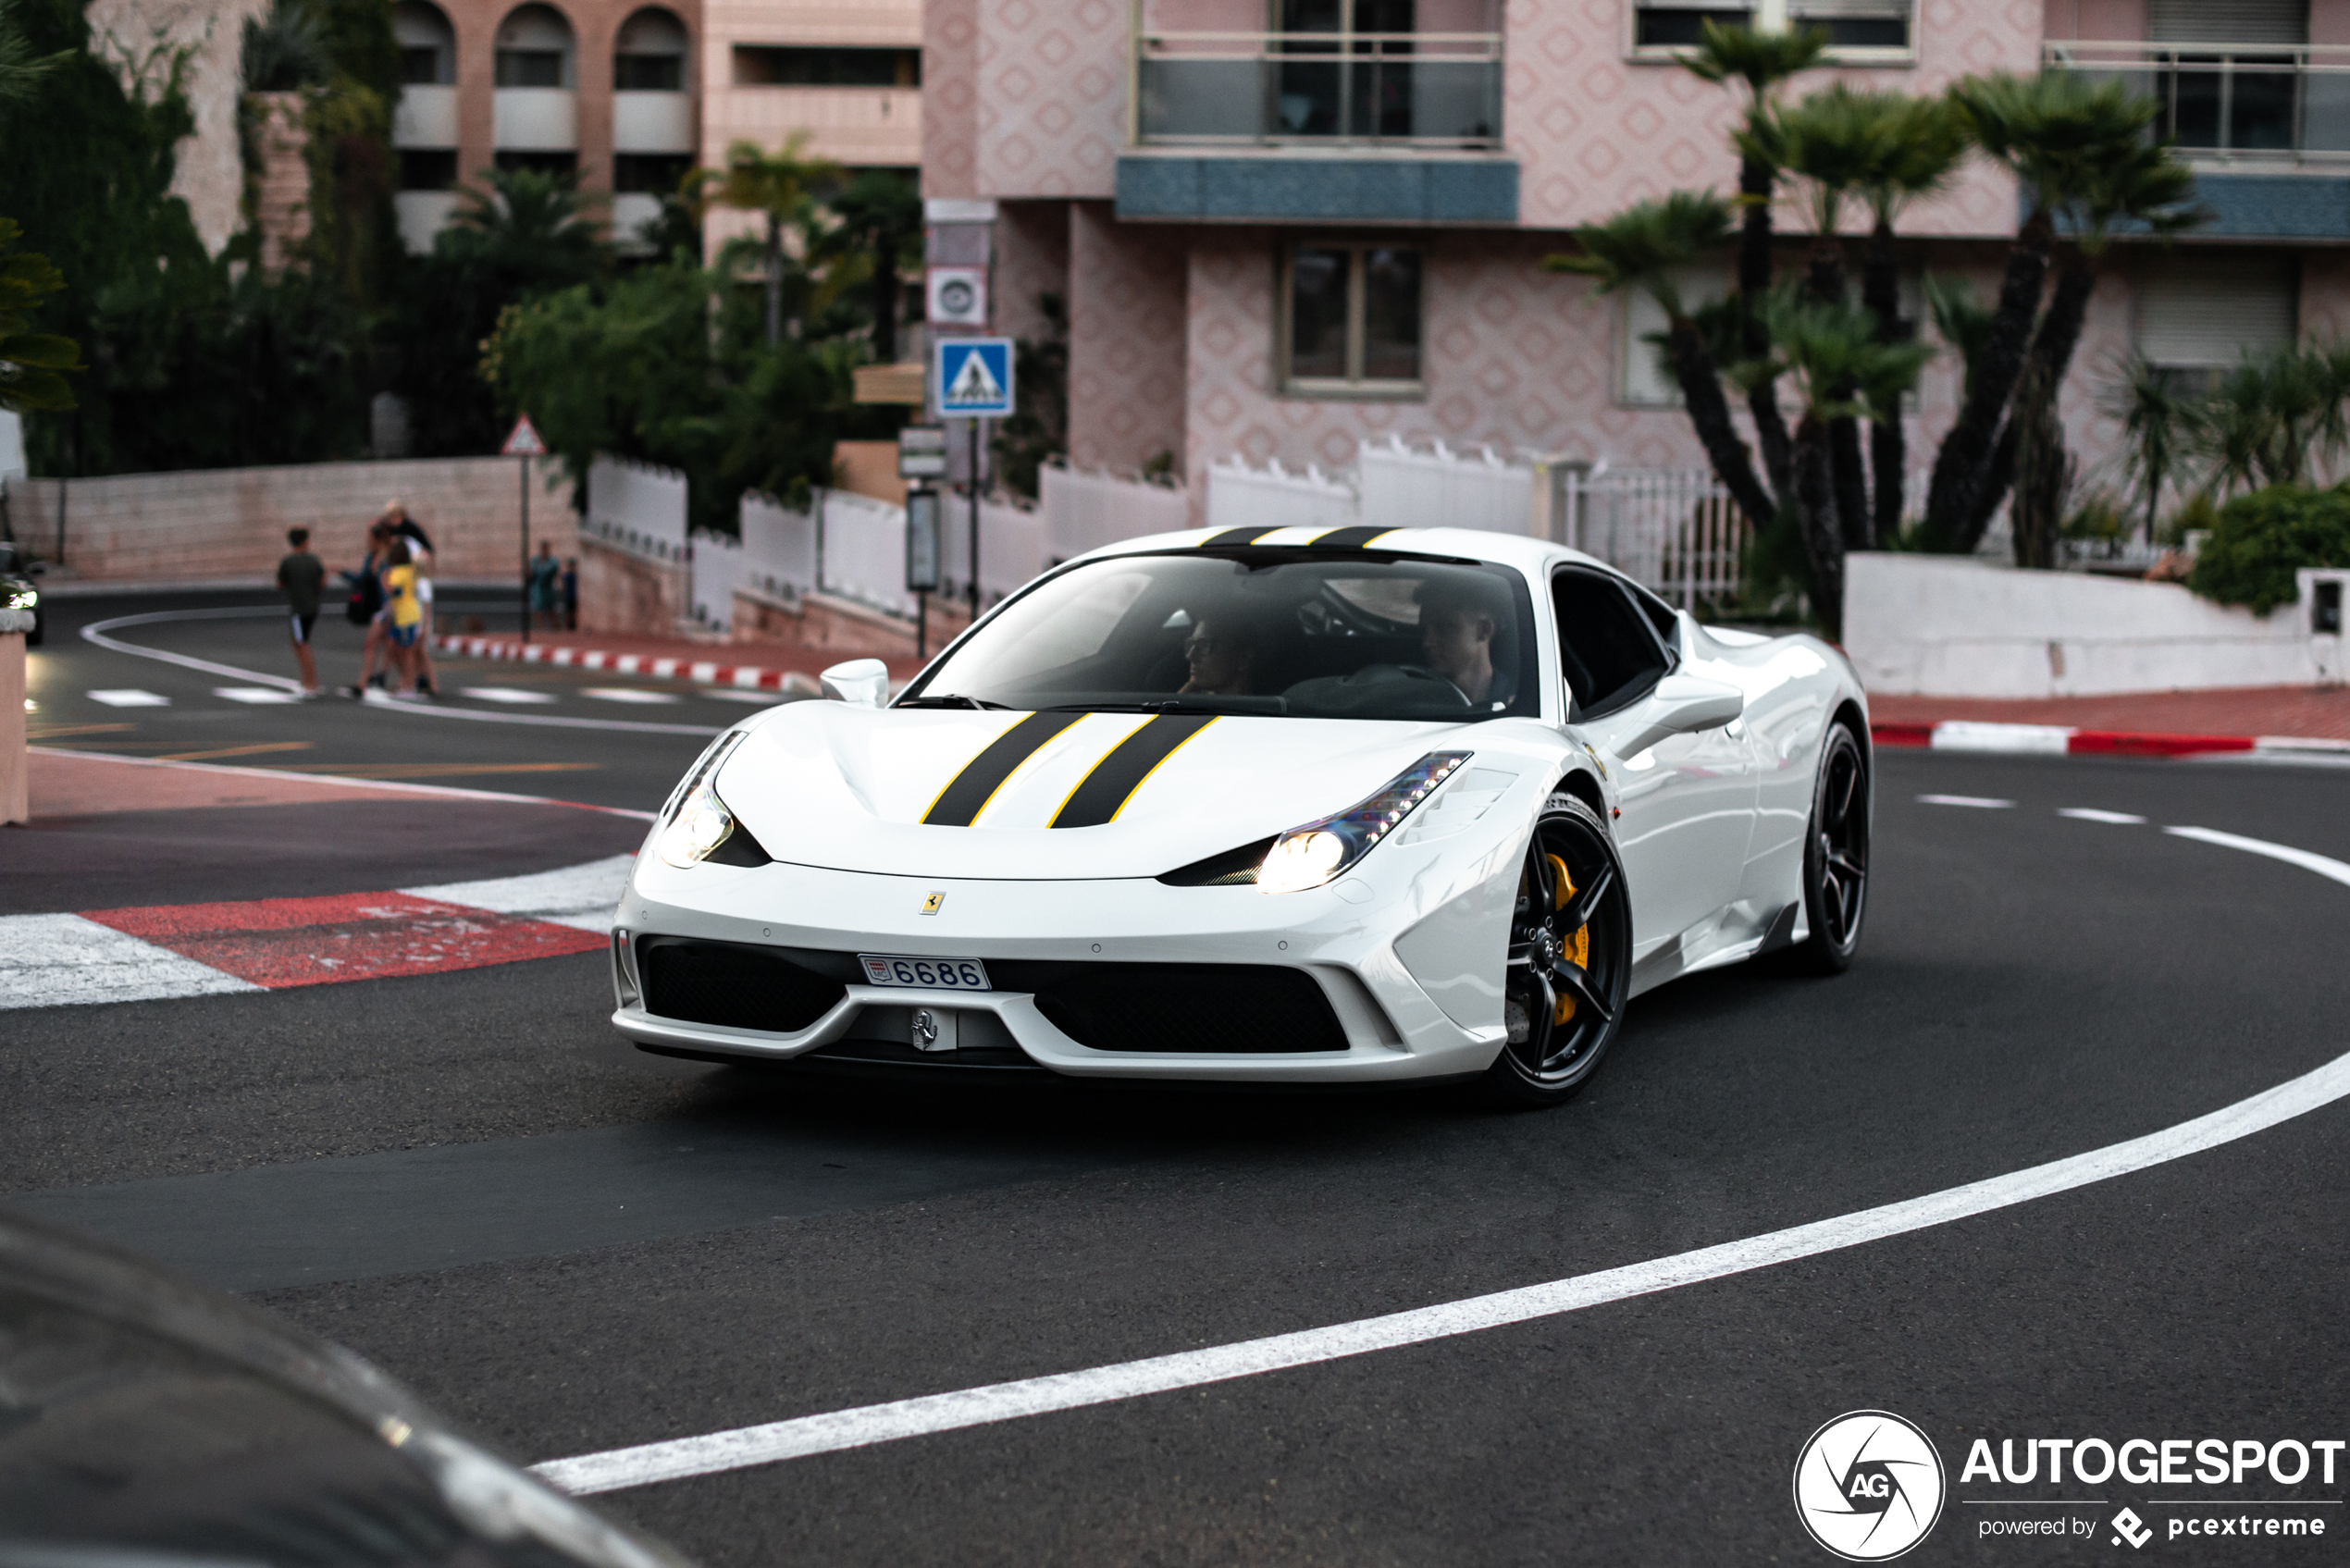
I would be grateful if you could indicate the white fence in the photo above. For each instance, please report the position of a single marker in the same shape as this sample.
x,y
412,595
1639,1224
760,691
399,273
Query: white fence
x,y
1403,487
1242,497
638,508
864,551
779,547
719,568
1085,510
1674,530
854,548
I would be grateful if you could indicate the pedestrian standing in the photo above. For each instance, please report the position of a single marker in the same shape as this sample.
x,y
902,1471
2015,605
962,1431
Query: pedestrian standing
x,y
546,588
571,593
420,557
302,577
367,606
404,615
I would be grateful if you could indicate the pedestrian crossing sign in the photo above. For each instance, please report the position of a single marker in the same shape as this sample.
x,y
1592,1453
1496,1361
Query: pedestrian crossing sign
x,y
973,377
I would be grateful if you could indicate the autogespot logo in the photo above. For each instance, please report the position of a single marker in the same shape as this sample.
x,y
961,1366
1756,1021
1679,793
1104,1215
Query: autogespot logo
x,y
1869,1485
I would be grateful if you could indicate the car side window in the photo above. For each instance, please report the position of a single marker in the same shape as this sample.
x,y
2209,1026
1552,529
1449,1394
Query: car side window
x,y
1607,650
1660,615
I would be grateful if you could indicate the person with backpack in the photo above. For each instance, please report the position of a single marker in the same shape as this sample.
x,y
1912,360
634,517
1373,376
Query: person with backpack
x,y
366,606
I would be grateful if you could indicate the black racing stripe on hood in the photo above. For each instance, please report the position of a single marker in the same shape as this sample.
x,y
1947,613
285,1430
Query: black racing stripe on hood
x,y
1237,536
1102,794
968,792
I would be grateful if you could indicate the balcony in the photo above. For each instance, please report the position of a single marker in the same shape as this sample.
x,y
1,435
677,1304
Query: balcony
x,y
2249,107
426,117
1318,89
536,119
652,122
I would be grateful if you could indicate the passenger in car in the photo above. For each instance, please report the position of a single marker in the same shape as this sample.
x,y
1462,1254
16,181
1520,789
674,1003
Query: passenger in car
x,y
1222,657
1459,613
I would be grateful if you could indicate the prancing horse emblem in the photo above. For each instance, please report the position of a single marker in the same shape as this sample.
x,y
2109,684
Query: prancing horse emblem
x,y
932,901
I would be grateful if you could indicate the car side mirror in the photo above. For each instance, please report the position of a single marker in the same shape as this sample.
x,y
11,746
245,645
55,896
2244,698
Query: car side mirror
x,y
1682,705
861,682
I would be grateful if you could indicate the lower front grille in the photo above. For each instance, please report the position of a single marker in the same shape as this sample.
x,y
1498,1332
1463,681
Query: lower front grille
x,y
1227,1009
735,985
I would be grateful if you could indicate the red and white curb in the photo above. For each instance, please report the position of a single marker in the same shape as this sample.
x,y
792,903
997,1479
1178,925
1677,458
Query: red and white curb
x,y
1974,734
163,951
708,671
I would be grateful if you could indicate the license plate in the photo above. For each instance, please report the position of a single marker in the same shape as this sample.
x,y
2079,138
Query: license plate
x,y
931,974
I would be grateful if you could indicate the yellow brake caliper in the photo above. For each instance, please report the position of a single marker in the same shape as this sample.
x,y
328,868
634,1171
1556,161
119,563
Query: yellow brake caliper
x,y
1578,946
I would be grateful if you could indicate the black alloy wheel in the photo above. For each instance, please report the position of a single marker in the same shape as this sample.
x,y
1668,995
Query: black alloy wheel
x,y
1836,856
1569,968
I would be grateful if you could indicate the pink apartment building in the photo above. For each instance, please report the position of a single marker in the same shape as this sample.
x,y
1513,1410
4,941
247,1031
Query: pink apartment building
x,y
1284,226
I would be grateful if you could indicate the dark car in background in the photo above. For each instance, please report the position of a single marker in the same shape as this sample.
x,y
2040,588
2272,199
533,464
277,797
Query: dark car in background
x,y
17,590
147,1420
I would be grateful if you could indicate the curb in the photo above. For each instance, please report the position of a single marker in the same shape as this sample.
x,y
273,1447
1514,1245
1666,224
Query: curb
x,y
708,671
2063,740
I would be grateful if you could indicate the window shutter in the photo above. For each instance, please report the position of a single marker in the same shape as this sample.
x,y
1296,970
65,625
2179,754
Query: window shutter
x,y
2228,21
2205,312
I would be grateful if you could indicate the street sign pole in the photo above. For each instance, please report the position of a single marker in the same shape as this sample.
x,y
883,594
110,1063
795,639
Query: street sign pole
x,y
973,378
524,443
974,593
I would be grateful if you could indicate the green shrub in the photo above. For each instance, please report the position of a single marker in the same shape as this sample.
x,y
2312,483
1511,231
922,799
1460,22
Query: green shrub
x,y
2259,541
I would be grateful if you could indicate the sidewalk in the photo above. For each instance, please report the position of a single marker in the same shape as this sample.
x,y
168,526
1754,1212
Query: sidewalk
x,y
769,666
2245,712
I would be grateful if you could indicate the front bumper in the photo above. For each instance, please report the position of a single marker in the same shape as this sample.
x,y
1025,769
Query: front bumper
x,y
1342,937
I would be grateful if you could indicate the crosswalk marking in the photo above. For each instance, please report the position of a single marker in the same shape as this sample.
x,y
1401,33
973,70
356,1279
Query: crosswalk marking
x,y
256,694
130,697
627,694
508,694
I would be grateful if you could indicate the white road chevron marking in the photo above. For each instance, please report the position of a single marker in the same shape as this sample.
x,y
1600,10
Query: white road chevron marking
x,y
744,1446
64,960
581,896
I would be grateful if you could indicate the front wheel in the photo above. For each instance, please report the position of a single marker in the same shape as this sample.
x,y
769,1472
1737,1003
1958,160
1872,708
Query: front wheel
x,y
1569,966
1836,856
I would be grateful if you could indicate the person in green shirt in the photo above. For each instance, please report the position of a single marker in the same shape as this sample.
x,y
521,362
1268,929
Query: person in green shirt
x,y
301,577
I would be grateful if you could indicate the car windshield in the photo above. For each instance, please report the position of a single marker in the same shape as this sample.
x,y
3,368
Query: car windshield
x,y
1317,635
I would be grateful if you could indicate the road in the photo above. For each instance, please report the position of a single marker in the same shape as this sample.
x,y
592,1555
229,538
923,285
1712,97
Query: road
x,y
573,1248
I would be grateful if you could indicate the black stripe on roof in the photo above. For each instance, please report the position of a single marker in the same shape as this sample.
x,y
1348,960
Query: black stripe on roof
x,y
1236,537
1348,538
968,792
1103,793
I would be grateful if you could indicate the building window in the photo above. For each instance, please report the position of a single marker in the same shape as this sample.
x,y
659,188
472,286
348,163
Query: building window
x,y
2198,316
762,66
533,49
649,173
539,162
1643,380
1859,31
427,168
1350,321
427,45
649,55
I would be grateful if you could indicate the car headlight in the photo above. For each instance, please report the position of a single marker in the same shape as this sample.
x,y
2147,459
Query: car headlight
x,y
1318,852
696,821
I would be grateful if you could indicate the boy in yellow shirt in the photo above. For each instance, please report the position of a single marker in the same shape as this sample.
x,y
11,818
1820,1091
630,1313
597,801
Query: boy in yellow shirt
x,y
403,617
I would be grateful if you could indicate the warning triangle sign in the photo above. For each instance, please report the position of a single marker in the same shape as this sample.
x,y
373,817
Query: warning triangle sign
x,y
524,441
973,384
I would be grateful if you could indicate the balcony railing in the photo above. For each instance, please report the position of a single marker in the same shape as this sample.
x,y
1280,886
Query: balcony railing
x,y
2256,104
1335,88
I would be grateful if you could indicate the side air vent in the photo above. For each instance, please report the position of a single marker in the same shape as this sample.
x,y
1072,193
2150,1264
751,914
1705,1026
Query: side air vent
x,y
1234,867
735,985
1228,1009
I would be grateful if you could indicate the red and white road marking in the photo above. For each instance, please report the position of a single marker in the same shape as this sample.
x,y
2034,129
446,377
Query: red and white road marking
x,y
1973,734
707,671
274,943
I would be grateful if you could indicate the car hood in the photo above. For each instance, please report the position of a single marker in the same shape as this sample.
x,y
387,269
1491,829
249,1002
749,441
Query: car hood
x,y
825,783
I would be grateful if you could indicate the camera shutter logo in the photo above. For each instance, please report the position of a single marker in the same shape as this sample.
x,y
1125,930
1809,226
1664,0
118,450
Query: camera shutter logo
x,y
1869,1485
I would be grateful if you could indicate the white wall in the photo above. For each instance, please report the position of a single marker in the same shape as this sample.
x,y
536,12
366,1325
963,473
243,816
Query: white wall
x,y
636,507
1950,626
1084,511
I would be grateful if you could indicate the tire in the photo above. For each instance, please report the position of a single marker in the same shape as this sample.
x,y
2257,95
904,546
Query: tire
x,y
1568,966
1835,857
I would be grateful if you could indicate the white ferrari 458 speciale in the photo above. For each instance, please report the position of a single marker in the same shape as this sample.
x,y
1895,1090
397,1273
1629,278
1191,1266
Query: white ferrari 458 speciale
x,y
1260,805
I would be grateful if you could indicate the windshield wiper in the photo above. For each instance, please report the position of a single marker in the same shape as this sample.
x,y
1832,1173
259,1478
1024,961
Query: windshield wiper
x,y
1205,702
948,699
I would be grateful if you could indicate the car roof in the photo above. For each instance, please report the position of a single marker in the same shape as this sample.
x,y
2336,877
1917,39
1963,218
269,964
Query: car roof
x,y
1527,553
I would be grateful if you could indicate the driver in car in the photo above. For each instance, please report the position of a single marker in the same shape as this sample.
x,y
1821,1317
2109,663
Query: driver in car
x,y
1222,658
1459,613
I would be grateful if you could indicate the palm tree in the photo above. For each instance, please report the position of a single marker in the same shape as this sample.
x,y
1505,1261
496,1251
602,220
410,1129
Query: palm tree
x,y
2083,151
777,184
881,213
1924,143
2156,424
30,362
21,69
1840,367
1642,248
1760,60
526,224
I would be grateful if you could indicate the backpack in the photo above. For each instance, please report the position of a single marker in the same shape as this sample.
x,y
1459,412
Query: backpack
x,y
367,596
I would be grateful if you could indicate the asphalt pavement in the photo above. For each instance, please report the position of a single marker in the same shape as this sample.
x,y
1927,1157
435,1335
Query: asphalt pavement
x,y
573,1247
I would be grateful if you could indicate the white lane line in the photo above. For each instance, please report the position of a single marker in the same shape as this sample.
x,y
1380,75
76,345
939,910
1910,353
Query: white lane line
x,y
337,779
616,1469
97,631
64,960
130,697
508,694
2091,814
583,896
256,695
627,694
2331,869
1984,801
733,694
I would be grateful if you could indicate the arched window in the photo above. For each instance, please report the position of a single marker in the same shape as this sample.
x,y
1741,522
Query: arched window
x,y
427,45
650,54
535,49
